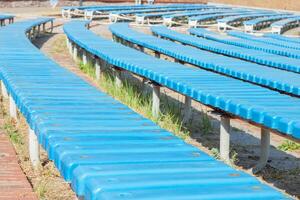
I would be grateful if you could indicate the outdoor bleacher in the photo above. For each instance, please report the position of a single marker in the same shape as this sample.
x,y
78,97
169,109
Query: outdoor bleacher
x,y
254,73
252,55
110,151
172,75
249,44
103,148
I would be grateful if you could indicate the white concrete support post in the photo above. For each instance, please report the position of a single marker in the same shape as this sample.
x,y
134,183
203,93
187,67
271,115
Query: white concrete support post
x,y
187,109
84,57
38,30
225,138
4,91
44,27
70,46
34,149
118,79
51,27
155,100
29,35
68,43
98,69
264,150
12,108
75,52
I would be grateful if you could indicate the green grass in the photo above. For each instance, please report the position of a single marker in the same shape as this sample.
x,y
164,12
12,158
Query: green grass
x,y
215,153
13,133
289,145
133,96
87,69
205,125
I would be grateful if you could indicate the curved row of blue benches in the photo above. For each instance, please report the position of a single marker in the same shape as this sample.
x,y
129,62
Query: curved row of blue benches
x,y
265,40
245,43
285,24
140,17
283,81
238,20
193,21
263,22
237,98
105,149
294,40
101,8
145,12
169,18
252,55
192,82
3,18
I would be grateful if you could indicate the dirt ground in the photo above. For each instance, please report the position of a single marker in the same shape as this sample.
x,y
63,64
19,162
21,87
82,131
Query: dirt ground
x,y
283,169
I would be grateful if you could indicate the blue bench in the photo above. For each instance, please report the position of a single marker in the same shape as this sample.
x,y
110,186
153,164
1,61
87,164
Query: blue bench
x,y
118,14
263,22
170,19
69,11
3,18
194,21
238,20
263,58
90,13
265,40
248,44
102,147
281,26
282,81
294,40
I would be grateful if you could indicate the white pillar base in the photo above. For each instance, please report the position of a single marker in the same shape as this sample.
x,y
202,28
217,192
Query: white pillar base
x,y
264,150
12,108
98,69
118,78
156,100
187,109
4,91
84,57
34,149
75,52
225,139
